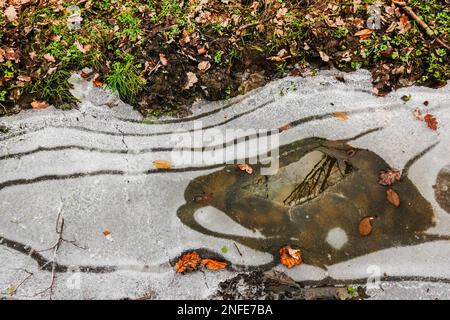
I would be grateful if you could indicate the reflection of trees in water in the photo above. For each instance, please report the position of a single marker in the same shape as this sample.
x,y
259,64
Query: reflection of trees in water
x,y
323,175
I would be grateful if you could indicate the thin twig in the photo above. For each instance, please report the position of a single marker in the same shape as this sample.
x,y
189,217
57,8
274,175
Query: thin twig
x,y
59,229
30,274
237,248
420,22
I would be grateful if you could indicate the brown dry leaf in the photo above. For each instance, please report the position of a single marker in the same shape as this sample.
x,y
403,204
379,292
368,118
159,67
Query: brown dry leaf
x,y
364,34
163,165
11,54
37,105
340,77
204,66
49,57
343,116
163,59
404,23
82,48
24,78
428,118
106,232
393,197
11,13
191,80
281,56
285,127
202,51
324,56
365,226
245,167
213,264
189,262
389,177
431,121
290,257
97,82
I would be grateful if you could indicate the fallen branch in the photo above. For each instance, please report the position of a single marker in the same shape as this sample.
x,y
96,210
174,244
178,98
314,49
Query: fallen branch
x,y
420,22
59,228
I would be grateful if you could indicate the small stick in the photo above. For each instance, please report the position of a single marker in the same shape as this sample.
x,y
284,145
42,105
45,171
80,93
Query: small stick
x,y
420,22
30,274
239,251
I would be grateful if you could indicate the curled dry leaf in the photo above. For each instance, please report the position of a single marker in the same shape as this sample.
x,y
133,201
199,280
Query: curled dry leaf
x,y
24,78
340,77
245,167
191,80
97,83
285,127
389,177
163,59
49,57
107,234
161,164
204,66
202,51
37,105
430,119
213,264
343,116
324,56
365,226
290,257
81,47
364,34
11,13
189,262
393,197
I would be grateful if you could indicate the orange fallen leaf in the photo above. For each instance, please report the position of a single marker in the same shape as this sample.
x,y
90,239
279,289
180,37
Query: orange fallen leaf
x,y
245,167
163,165
365,226
393,197
97,83
404,21
284,128
290,257
189,262
213,264
202,51
364,34
106,232
343,116
37,105
431,121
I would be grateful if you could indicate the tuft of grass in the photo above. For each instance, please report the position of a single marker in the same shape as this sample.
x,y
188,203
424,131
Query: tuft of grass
x,y
124,79
55,88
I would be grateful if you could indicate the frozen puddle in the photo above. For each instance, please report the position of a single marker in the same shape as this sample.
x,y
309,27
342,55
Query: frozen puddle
x,y
94,166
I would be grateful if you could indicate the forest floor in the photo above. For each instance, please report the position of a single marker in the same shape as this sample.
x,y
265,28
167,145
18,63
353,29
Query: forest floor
x,y
162,56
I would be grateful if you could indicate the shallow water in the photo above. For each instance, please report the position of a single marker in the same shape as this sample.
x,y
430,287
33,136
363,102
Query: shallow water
x,y
315,202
